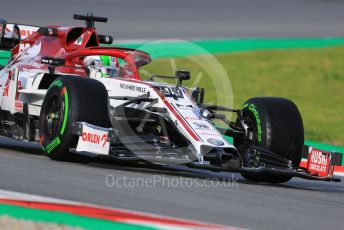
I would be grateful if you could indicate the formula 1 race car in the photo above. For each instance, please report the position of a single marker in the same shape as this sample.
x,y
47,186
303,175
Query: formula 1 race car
x,y
56,90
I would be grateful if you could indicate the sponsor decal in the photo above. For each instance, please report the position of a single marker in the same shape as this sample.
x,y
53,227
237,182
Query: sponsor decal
x,y
57,83
60,52
181,118
133,88
93,140
24,32
191,118
18,106
79,70
180,106
79,40
213,134
50,147
214,141
171,92
318,162
202,126
64,93
46,61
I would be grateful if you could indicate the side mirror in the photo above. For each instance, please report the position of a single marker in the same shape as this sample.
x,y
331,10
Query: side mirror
x,y
105,39
183,75
53,61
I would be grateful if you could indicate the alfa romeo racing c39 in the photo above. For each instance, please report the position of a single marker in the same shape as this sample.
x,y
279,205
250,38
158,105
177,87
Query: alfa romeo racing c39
x,y
58,91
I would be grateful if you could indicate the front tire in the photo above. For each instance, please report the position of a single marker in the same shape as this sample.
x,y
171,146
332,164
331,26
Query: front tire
x,y
276,125
70,99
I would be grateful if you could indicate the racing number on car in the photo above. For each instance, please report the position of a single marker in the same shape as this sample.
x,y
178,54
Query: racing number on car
x,y
23,47
171,92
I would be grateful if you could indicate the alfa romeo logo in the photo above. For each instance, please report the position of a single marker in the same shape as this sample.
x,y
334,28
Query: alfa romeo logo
x,y
215,142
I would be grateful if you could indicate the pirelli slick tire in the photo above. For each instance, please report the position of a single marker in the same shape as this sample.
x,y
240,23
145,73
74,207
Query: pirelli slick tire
x,y
277,126
70,99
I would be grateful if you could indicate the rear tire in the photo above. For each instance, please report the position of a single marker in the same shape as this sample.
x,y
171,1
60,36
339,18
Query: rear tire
x,y
70,99
277,126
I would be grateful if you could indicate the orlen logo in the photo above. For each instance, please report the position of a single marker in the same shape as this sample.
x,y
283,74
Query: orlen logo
x,y
94,138
26,33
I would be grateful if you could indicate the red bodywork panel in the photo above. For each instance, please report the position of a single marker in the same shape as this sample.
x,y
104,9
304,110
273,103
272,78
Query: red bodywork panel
x,y
319,162
72,44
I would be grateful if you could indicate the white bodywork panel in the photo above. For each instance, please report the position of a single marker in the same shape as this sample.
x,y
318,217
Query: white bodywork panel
x,y
25,30
182,111
22,88
94,140
9,91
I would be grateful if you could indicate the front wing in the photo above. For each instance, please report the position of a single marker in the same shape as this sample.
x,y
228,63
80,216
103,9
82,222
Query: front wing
x,y
95,141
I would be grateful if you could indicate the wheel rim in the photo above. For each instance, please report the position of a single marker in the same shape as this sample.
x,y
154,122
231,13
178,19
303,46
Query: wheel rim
x,y
53,117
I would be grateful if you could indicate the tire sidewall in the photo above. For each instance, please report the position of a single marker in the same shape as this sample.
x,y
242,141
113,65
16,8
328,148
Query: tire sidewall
x,y
84,100
278,128
64,139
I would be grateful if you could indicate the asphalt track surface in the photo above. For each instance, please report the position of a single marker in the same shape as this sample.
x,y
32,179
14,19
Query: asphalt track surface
x,y
189,18
219,198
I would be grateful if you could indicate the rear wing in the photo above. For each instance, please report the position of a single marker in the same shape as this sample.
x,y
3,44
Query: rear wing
x,y
11,34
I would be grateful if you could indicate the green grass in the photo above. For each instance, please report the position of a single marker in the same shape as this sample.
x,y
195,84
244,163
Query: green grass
x,y
312,78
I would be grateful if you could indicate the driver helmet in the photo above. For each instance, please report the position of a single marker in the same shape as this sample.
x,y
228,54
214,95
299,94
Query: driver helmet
x,y
101,66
